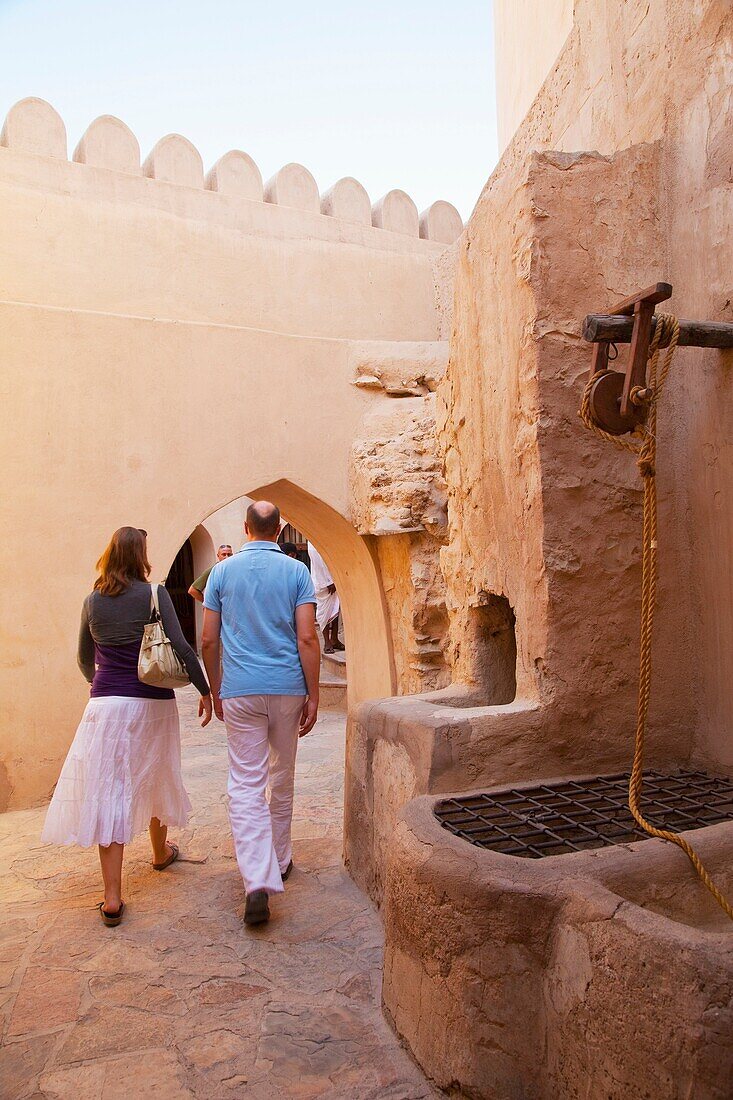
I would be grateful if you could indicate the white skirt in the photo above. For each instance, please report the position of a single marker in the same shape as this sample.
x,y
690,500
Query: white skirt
x,y
123,767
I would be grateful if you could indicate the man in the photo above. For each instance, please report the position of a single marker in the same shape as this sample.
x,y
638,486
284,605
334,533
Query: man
x,y
197,588
260,609
328,605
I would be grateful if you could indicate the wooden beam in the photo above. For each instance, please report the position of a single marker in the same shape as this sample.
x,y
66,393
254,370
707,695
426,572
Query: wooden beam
x,y
617,329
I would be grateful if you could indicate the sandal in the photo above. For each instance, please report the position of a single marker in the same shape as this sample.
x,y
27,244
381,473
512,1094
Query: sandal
x,y
171,858
111,919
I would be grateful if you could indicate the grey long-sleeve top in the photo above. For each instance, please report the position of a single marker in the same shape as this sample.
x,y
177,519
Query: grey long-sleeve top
x,y
119,620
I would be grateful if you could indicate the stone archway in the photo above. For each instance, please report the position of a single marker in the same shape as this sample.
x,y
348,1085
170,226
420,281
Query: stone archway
x,y
351,559
204,553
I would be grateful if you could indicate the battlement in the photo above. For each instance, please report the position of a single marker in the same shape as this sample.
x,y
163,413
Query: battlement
x,y
34,126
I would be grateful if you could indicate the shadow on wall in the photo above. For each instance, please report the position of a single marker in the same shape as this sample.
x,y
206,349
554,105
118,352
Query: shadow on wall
x,y
204,553
494,644
491,641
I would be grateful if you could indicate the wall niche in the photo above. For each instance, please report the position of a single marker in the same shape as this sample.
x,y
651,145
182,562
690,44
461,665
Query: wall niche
x,y
494,645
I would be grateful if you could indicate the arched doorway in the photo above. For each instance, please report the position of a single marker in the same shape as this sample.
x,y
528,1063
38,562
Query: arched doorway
x,y
290,533
179,580
353,562
204,555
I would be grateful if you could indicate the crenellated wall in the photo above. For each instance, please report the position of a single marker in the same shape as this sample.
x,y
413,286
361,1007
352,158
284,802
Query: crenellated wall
x,y
33,126
174,339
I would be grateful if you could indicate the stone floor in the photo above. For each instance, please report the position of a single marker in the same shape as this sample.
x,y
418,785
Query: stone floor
x,y
180,1000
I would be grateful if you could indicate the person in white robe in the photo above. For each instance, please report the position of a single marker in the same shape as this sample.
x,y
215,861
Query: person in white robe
x,y
327,601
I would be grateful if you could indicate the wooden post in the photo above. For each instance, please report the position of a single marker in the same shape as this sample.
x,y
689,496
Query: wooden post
x,y
617,329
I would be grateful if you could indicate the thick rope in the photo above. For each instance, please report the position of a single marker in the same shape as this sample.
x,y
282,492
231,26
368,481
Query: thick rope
x,y
643,443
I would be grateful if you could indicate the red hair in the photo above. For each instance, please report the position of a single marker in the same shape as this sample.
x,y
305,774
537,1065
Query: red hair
x,y
125,560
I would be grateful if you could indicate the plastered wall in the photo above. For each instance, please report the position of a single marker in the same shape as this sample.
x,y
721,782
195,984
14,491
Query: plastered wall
x,y
171,341
226,525
655,80
543,519
528,36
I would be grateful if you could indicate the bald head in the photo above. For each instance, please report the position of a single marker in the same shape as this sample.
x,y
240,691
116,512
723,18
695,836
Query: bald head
x,y
263,520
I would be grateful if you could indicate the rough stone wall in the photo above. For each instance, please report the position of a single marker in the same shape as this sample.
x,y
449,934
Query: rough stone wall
x,y
398,493
540,512
516,458
501,985
415,594
630,73
396,477
558,978
488,393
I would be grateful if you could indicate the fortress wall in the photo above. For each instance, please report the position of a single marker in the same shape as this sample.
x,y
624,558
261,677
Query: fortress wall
x,y
523,59
173,340
630,74
107,424
543,519
164,240
80,237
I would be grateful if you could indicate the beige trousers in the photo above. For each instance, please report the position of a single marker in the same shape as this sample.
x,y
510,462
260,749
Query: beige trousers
x,y
262,731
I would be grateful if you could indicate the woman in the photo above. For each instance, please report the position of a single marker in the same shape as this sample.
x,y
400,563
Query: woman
x,y
123,770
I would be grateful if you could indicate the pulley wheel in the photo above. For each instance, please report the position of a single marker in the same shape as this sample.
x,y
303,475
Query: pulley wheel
x,y
605,404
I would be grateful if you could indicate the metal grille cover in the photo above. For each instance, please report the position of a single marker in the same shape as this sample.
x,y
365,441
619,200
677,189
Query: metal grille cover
x,y
591,813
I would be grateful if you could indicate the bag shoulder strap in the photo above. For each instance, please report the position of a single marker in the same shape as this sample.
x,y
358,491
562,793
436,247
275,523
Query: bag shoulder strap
x,y
154,606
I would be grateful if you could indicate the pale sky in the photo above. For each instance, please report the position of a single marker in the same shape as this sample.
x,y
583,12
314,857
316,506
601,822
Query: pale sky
x,y
398,93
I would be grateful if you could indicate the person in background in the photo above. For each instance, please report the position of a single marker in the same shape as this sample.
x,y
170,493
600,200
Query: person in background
x,y
197,588
123,771
328,605
259,609
290,549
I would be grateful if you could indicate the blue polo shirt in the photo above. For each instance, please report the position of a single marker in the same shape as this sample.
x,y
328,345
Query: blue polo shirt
x,y
256,593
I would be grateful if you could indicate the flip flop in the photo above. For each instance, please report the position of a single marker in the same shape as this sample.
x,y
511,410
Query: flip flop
x,y
171,858
111,919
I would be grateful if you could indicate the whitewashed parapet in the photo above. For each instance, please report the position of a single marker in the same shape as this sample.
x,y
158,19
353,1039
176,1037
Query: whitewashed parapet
x,y
441,222
175,159
33,126
396,212
109,143
236,174
294,186
347,200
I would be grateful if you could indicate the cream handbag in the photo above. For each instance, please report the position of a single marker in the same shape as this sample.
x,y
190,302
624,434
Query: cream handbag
x,y
158,663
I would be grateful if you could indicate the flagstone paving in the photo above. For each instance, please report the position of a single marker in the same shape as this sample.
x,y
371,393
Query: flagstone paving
x,y
181,1000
